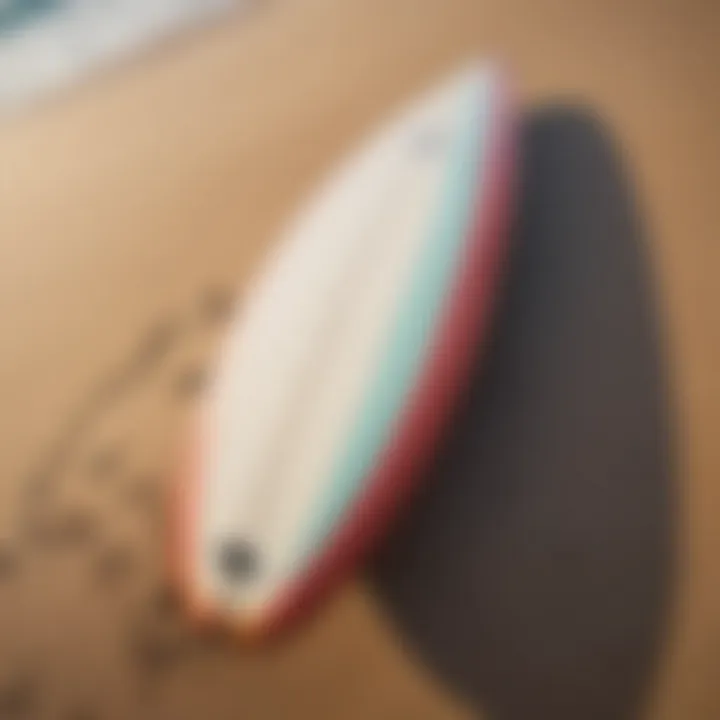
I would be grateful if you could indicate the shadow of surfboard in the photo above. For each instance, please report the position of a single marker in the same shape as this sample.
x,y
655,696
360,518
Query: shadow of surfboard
x,y
534,570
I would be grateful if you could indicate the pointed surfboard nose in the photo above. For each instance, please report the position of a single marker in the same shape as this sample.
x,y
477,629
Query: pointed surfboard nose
x,y
337,379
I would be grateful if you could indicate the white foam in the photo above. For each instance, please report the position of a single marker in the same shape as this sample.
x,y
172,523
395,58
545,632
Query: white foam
x,y
60,45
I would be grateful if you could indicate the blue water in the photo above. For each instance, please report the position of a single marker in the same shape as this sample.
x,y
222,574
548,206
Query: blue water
x,y
17,13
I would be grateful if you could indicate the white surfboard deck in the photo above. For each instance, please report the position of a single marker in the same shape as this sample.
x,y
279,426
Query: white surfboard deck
x,y
309,346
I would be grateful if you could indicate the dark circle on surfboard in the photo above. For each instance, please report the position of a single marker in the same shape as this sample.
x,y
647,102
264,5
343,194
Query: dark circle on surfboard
x,y
238,561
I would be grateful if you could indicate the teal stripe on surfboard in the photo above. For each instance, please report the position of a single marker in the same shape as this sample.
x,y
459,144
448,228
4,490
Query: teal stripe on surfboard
x,y
401,362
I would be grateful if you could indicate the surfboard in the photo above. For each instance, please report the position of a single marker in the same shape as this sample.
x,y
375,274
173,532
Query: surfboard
x,y
346,360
